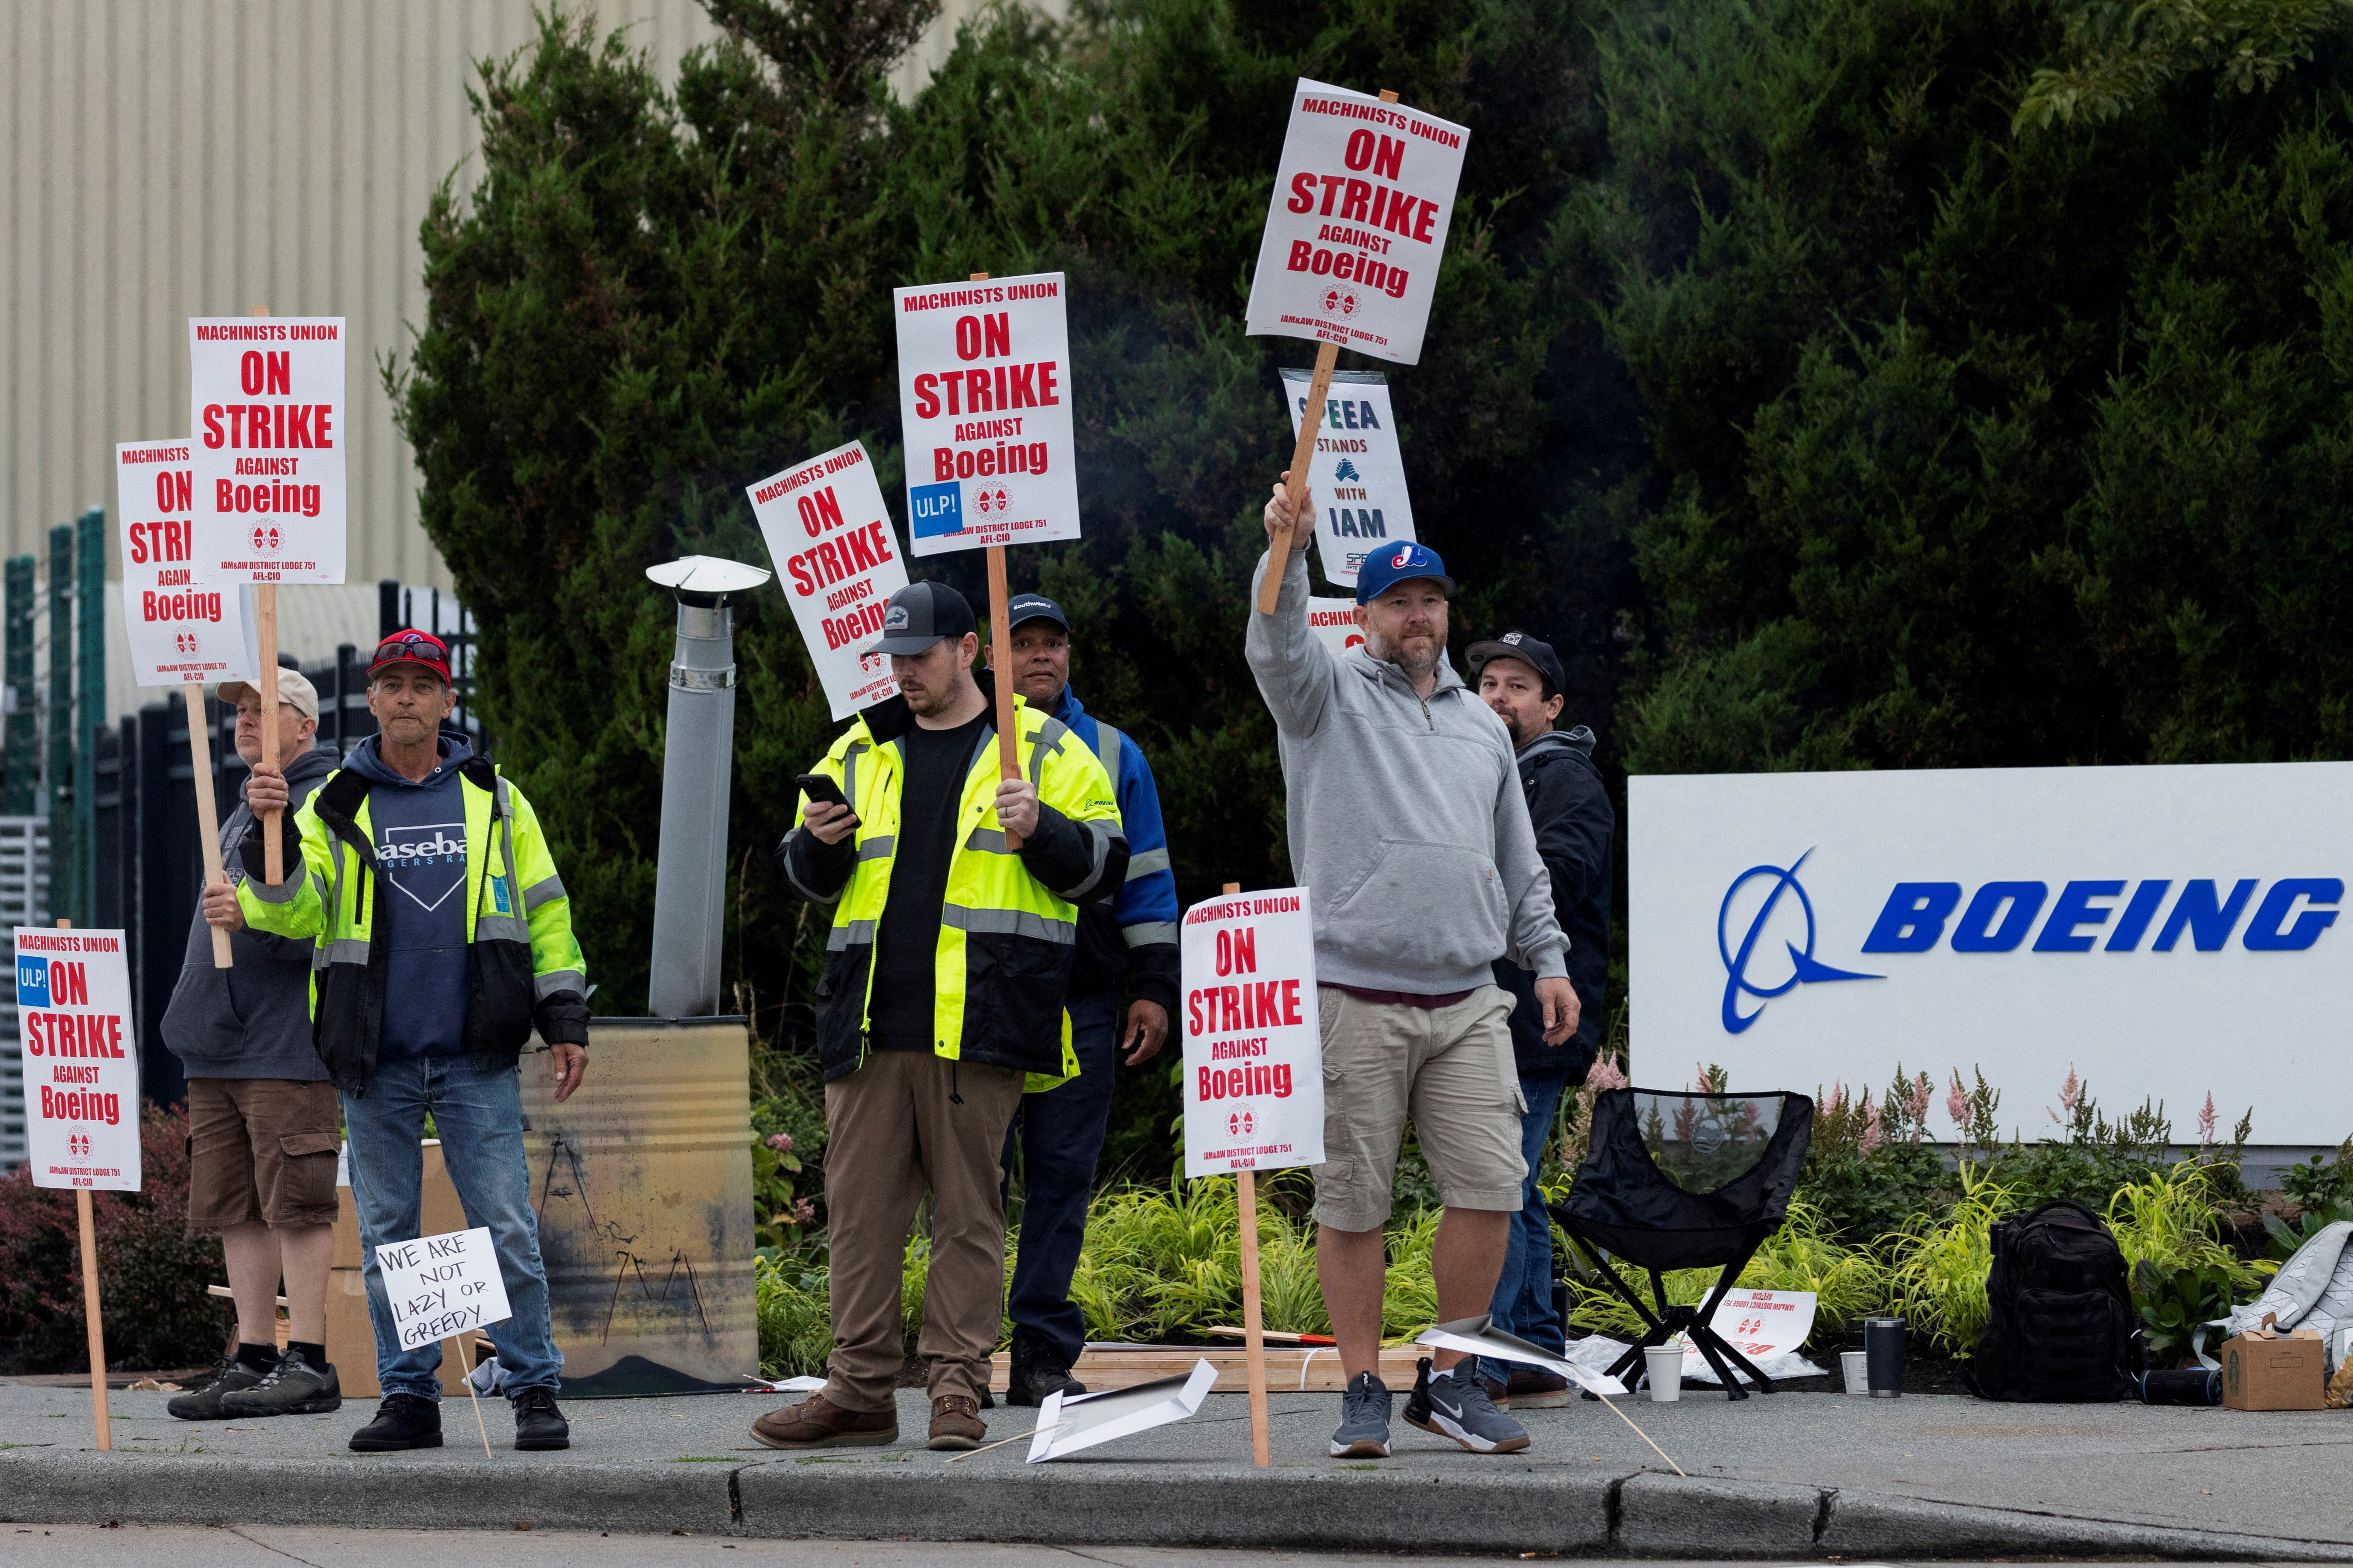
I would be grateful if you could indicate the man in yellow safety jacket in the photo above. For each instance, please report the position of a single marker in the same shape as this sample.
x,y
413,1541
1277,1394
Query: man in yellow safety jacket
x,y
940,1000
442,937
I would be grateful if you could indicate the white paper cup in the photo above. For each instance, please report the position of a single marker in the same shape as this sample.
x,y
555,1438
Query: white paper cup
x,y
1856,1366
1665,1364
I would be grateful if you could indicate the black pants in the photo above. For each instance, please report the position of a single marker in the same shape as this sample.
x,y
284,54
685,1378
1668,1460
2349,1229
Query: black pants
x,y
1060,1134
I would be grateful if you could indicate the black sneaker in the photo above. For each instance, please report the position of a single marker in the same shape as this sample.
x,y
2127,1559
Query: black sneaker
x,y
1038,1371
228,1375
538,1422
1363,1431
294,1387
402,1421
1458,1407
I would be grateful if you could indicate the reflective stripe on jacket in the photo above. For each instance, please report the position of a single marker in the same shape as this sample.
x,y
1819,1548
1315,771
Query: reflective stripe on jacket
x,y
1006,939
518,943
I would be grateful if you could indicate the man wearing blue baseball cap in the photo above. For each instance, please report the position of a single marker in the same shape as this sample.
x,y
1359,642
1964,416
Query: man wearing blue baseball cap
x,y
1408,824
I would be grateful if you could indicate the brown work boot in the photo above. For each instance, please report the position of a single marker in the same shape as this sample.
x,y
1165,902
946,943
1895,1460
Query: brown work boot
x,y
955,1421
818,1423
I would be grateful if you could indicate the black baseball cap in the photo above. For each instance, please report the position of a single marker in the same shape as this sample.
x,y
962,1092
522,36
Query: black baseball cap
x,y
1538,655
1035,607
920,614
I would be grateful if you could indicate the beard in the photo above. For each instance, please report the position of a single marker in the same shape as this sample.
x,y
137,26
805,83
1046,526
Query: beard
x,y
1416,663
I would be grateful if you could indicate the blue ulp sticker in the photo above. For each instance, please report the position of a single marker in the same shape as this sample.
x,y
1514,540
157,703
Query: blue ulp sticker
x,y
938,509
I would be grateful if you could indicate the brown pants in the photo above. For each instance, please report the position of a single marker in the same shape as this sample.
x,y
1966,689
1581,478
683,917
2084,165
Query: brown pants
x,y
893,1128
262,1149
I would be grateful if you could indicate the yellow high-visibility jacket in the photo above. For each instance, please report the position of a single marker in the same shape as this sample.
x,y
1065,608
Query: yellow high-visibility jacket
x,y
1008,924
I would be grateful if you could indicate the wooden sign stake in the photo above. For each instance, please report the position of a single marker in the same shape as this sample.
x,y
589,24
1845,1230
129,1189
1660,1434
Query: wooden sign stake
x,y
1311,425
1253,1317
1000,656
265,609
200,758
87,1213
466,1374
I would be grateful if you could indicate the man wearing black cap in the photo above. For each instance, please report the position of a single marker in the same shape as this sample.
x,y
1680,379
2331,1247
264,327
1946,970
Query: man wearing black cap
x,y
941,1000
1520,678
1132,934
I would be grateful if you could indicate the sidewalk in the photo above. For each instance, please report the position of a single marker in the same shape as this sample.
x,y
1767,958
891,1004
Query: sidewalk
x,y
1788,1475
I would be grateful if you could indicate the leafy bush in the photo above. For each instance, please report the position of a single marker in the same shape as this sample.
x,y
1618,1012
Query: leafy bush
x,y
2314,1186
796,1327
2173,1303
152,1273
2283,1240
1936,1279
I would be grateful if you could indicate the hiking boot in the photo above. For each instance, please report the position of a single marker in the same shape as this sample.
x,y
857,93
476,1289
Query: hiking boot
x,y
1458,1407
538,1425
1038,1371
818,1423
229,1375
402,1421
1363,1431
292,1388
1531,1389
955,1421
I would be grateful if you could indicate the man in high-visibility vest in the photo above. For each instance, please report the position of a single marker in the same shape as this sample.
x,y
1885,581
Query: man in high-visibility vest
x,y
443,937
941,1000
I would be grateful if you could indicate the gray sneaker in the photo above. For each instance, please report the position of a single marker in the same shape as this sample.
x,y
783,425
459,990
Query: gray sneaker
x,y
1363,1431
229,1375
292,1388
1458,1407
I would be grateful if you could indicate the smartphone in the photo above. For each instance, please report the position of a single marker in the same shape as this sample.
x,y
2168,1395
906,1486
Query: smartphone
x,y
821,787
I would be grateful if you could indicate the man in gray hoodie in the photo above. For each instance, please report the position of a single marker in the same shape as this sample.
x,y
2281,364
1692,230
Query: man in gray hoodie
x,y
262,1118
1407,826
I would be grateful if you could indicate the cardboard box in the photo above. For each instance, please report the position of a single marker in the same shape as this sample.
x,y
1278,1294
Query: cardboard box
x,y
2260,1373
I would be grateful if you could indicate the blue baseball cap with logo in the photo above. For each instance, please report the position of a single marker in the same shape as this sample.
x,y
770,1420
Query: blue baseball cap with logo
x,y
1386,567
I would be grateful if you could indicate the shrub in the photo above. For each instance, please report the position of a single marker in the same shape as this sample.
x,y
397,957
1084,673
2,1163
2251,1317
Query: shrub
x,y
152,1272
796,1323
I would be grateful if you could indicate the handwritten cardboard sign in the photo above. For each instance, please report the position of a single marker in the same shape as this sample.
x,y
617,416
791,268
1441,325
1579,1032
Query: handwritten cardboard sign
x,y
1357,222
265,406
442,1286
984,399
1357,471
1253,1089
838,561
80,1058
183,631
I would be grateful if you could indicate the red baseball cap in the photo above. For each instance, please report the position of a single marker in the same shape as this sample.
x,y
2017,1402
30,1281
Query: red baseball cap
x,y
410,646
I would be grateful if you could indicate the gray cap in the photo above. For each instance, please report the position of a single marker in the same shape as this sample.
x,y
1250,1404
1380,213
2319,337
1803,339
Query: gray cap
x,y
294,690
920,614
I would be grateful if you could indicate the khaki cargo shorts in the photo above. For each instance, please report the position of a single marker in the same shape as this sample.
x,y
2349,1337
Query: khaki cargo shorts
x,y
261,1150
1452,1069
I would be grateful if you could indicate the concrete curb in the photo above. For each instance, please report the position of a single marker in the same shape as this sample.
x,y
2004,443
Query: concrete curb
x,y
1643,1514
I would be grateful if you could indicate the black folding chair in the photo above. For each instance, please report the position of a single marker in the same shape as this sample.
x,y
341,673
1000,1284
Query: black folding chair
x,y
1673,1180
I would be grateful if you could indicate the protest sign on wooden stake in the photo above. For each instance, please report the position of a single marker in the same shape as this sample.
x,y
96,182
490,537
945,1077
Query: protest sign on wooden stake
x,y
1355,229
181,632
82,1130
445,1287
839,563
1355,468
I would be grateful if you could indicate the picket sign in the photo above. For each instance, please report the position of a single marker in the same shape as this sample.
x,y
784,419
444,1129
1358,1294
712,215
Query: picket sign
x,y
1355,231
445,1286
81,1128
996,479
839,563
1333,622
1357,470
181,632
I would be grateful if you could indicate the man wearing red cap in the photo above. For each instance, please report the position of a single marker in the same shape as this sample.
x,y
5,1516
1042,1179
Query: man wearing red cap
x,y
443,936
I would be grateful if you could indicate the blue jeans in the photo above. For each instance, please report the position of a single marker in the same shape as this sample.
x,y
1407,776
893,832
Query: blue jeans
x,y
1523,1303
1061,1133
477,1110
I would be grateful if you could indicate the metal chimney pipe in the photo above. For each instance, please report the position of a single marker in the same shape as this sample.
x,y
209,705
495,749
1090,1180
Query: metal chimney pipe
x,y
691,875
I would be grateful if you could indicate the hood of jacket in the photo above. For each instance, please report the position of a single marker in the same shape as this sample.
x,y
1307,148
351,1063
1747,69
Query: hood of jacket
x,y
367,761
1554,742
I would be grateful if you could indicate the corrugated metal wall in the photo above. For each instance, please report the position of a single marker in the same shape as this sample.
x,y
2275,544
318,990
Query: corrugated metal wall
x,y
170,158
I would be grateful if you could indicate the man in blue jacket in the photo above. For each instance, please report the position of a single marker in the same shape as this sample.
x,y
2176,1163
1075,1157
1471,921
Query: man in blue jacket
x,y
1132,935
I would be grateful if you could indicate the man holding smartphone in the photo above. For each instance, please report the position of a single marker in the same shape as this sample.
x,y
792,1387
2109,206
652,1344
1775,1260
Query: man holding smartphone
x,y
955,900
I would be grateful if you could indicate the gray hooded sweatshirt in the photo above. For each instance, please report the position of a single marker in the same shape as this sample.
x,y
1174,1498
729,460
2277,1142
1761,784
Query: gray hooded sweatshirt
x,y
252,1021
1407,820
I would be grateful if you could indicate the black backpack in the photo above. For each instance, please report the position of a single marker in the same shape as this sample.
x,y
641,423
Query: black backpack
x,y
2059,1326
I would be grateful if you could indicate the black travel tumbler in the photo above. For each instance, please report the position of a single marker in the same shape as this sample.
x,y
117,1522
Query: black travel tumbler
x,y
2190,1385
1882,1350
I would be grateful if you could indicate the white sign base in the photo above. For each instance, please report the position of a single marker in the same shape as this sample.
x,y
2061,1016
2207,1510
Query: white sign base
x,y
1086,1420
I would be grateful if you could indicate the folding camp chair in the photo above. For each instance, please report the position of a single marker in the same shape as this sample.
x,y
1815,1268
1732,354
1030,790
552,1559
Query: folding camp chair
x,y
1673,1180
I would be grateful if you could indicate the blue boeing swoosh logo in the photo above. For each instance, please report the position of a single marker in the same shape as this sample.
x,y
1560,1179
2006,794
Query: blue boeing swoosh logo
x,y
1802,965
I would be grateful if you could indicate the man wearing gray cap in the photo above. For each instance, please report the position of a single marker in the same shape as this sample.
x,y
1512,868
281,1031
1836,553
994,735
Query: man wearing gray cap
x,y
262,1117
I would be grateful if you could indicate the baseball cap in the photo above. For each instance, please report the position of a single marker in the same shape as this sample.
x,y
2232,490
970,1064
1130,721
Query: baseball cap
x,y
1035,607
1385,568
920,614
409,646
1538,655
293,687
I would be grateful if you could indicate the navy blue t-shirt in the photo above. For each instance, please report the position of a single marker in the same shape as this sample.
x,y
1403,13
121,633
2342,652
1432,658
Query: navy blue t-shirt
x,y
420,828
